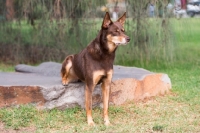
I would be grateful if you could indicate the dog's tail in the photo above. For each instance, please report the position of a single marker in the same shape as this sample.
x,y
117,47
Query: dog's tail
x,y
66,66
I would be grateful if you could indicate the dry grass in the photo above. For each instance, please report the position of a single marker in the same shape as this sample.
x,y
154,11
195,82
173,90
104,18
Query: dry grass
x,y
161,114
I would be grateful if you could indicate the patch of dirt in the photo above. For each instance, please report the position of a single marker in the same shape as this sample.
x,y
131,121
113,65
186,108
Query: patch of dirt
x,y
8,130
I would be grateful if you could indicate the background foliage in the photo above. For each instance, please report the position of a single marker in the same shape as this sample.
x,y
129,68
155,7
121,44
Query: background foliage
x,y
49,30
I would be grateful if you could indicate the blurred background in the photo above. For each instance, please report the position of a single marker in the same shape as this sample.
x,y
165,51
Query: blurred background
x,y
163,32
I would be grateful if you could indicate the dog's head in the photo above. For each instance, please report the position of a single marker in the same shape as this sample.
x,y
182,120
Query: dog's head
x,y
115,30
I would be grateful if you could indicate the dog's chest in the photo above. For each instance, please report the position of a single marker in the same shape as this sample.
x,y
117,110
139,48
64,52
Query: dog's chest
x,y
99,75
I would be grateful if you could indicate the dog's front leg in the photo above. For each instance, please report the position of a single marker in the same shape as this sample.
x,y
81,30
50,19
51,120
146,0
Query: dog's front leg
x,y
88,103
106,91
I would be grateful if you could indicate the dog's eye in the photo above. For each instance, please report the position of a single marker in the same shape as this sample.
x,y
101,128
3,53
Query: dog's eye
x,y
117,30
123,30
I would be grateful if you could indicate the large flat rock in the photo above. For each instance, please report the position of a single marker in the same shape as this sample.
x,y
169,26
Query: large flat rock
x,y
42,85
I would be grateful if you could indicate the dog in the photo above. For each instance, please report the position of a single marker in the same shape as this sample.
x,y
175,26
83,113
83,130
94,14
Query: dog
x,y
94,64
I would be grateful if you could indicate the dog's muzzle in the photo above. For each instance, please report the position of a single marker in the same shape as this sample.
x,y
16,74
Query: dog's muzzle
x,y
127,40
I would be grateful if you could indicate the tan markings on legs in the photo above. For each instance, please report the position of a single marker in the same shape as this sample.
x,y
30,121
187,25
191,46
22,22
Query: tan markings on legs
x,y
88,94
68,66
106,90
88,103
71,76
67,72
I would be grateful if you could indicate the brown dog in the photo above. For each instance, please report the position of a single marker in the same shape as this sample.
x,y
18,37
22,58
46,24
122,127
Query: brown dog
x,y
94,64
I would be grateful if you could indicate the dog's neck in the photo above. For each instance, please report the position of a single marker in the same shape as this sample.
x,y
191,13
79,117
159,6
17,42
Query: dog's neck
x,y
106,46
100,47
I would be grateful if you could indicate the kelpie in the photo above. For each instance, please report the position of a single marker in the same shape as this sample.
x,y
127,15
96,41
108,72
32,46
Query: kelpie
x,y
94,64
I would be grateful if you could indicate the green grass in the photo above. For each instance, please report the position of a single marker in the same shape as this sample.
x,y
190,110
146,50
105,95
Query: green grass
x,y
178,111
188,45
6,67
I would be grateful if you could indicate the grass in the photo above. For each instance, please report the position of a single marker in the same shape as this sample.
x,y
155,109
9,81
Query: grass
x,y
6,67
166,114
177,112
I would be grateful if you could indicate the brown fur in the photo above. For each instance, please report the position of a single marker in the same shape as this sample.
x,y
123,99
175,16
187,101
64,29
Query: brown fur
x,y
67,73
94,64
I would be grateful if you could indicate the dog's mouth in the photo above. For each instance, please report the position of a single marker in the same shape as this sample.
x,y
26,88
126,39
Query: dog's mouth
x,y
121,43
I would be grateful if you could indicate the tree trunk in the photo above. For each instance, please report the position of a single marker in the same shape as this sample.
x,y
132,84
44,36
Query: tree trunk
x,y
10,9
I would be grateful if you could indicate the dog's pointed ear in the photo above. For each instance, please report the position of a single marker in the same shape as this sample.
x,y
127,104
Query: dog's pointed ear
x,y
122,19
106,21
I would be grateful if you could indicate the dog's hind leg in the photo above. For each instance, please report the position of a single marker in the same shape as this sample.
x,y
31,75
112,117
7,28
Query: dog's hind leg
x,y
65,70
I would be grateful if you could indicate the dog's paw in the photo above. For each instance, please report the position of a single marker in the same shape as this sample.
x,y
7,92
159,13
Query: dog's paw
x,y
64,82
91,123
107,123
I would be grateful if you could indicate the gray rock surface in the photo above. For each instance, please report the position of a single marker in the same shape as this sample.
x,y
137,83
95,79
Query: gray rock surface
x,y
47,77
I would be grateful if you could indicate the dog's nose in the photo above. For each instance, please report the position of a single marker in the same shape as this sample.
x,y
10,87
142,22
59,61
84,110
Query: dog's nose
x,y
128,39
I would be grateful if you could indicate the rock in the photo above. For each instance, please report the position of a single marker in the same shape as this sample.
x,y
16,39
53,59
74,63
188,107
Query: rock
x,y
46,69
14,95
42,85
